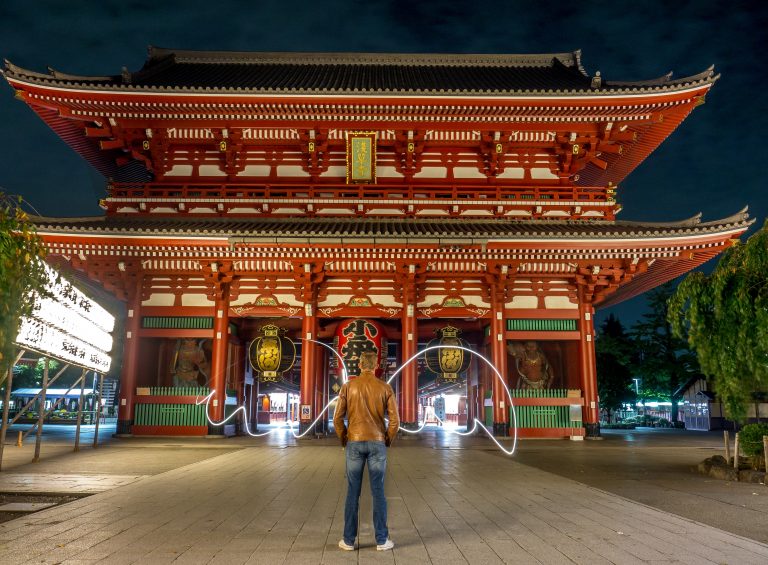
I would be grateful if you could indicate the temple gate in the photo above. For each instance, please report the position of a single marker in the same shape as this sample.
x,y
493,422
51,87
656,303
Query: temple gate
x,y
416,191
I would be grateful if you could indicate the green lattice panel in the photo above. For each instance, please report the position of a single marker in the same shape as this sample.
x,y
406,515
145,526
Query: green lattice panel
x,y
200,391
177,322
544,416
541,325
170,415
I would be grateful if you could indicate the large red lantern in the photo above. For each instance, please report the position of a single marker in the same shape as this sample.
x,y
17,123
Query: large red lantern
x,y
355,337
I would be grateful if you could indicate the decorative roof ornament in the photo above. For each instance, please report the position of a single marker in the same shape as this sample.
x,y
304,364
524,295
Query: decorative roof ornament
x,y
597,81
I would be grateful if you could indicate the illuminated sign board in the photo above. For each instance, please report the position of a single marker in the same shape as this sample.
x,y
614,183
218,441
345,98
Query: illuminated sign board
x,y
68,326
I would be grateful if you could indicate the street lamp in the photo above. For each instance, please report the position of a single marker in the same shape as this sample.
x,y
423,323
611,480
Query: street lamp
x,y
637,390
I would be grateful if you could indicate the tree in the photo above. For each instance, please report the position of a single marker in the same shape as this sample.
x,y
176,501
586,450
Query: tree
x,y
663,358
613,351
21,274
725,318
26,376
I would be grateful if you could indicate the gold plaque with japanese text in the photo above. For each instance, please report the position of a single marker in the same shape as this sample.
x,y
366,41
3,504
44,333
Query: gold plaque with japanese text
x,y
361,157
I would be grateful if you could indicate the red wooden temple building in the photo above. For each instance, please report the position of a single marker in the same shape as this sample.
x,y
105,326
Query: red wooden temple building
x,y
407,194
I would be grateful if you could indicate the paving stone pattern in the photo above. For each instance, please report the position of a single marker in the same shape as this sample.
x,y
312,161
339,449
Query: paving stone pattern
x,y
25,506
266,505
62,483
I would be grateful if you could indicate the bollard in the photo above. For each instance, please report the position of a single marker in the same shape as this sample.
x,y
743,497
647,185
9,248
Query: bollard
x,y
736,452
727,440
765,455
20,439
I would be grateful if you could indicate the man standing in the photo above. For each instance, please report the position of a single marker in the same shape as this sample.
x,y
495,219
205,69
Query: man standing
x,y
365,401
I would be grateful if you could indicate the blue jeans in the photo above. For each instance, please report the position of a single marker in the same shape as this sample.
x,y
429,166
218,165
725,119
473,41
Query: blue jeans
x,y
357,453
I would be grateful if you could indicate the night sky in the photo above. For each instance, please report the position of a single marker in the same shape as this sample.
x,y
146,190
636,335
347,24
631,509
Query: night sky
x,y
714,163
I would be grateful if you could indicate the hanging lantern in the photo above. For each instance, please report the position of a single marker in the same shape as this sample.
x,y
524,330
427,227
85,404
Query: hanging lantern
x,y
447,362
355,337
271,354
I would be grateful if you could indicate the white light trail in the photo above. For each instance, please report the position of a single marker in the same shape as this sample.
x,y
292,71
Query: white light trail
x,y
477,422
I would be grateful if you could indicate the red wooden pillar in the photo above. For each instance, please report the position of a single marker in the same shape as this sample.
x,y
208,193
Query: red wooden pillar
x,y
471,410
219,359
308,369
481,388
239,355
588,366
499,360
321,364
130,361
409,398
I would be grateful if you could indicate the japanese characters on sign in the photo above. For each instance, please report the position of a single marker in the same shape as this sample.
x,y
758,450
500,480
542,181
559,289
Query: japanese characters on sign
x,y
68,326
361,157
355,337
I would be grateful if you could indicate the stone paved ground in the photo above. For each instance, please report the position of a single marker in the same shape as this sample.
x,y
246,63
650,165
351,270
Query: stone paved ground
x,y
262,504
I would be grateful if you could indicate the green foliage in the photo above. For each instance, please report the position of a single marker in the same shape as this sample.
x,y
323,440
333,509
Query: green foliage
x,y
21,273
751,439
725,316
613,351
662,358
25,376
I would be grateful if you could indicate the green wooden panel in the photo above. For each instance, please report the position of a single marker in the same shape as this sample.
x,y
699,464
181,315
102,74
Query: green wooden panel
x,y
543,393
541,325
544,417
177,322
170,415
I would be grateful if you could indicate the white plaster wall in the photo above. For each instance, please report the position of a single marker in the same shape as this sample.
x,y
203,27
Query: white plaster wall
x,y
386,172
432,173
211,171
523,302
256,171
180,171
335,171
159,299
512,173
195,300
467,173
542,173
559,302
291,171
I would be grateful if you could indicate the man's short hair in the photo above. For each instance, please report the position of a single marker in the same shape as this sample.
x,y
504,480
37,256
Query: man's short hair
x,y
368,361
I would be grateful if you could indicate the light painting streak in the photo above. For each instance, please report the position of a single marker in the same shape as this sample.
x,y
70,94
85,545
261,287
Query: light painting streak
x,y
345,377
477,422
207,400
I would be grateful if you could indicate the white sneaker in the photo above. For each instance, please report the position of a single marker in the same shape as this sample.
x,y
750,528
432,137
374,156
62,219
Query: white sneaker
x,y
387,545
345,546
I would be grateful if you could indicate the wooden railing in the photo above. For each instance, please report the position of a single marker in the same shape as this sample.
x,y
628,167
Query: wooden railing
x,y
385,191
332,199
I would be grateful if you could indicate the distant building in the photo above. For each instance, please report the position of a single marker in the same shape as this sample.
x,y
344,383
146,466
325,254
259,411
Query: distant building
x,y
701,409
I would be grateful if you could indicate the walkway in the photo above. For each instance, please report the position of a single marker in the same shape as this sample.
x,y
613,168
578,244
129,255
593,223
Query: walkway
x,y
285,505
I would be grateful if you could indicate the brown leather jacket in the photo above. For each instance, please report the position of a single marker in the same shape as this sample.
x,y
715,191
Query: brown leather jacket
x,y
364,401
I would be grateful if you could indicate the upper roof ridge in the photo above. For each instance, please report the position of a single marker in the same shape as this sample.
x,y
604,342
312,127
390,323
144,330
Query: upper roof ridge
x,y
569,59
392,74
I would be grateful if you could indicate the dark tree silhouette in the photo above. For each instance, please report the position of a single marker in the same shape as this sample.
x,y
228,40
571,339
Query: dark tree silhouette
x,y
613,350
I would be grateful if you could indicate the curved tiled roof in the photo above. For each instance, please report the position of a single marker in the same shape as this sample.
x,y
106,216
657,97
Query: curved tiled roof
x,y
384,230
168,70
